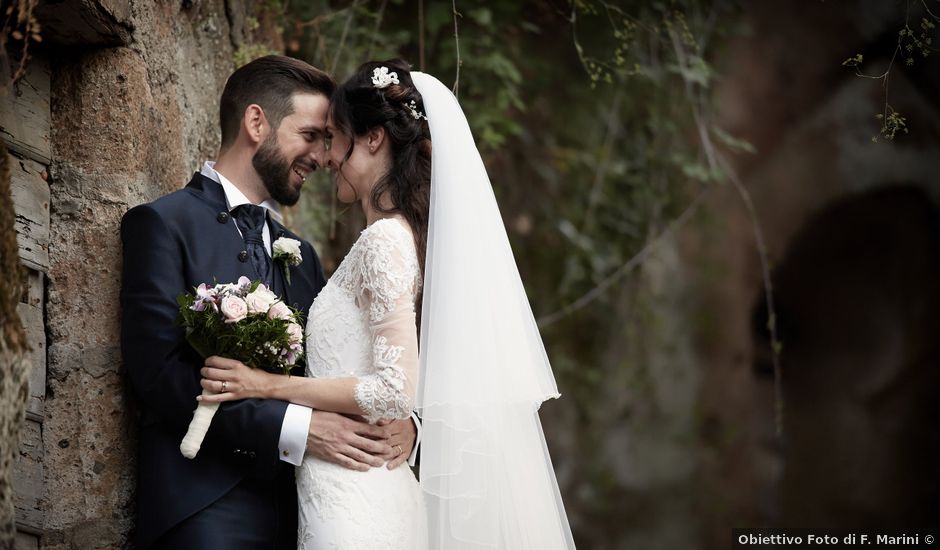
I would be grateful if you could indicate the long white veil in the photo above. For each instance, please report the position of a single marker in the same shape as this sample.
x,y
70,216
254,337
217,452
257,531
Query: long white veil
x,y
485,468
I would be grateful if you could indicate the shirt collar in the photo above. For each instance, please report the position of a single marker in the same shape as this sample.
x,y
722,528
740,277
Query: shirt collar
x,y
233,195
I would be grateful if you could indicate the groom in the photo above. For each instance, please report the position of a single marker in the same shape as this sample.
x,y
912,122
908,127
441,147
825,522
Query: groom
x,y
239,490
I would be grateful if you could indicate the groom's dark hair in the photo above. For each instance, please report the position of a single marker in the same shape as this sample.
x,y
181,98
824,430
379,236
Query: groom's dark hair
x,y
271,82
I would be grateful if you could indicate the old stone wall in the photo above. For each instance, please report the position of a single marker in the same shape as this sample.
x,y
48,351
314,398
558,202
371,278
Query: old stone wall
x,y
133,89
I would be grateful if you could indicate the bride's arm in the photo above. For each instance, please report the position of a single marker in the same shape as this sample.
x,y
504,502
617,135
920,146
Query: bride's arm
x,y
388,296
242,382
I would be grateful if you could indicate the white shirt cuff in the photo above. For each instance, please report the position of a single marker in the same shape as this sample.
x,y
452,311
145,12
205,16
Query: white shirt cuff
x,y
293,441
413,458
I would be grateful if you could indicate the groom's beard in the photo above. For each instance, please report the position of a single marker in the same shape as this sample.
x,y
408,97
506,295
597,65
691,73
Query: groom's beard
x,y
274,171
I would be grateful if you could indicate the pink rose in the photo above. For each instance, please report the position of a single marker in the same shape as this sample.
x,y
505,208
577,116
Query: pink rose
x,y
234,308
280,311
295,333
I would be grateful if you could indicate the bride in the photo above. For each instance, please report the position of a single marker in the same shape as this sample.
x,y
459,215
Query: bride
x,y
435,244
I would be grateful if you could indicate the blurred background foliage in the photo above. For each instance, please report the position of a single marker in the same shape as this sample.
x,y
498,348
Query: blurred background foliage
x,y
584,116
595,121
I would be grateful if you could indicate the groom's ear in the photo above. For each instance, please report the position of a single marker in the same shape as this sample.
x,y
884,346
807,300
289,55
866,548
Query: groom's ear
x,y
254,123
375,137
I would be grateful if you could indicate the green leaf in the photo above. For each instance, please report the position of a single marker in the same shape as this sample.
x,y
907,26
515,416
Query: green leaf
x,y
698,71
483,16
530,27
733,142
696,171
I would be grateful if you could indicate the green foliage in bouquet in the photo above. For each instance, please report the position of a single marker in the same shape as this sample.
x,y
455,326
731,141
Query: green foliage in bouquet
x,y
243,321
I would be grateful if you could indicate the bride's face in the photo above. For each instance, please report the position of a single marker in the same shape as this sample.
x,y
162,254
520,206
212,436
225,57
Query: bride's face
x,y
355,176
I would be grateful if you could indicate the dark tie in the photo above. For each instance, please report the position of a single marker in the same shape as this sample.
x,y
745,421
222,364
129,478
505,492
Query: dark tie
x,y
250,220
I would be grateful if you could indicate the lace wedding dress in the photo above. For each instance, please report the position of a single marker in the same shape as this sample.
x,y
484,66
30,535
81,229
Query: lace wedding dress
x,y
362,324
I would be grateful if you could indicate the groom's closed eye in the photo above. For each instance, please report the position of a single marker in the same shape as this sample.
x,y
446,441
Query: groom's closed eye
x,y
325,135
311,133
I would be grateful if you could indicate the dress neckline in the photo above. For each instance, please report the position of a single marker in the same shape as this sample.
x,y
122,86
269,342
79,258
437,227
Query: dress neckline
x,y
399,220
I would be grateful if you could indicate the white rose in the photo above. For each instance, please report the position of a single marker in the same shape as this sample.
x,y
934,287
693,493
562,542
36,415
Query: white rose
x,y
234,308
288,250
265,295
257,303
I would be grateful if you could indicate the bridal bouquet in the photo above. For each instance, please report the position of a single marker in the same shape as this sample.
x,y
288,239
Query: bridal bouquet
x,y
243,321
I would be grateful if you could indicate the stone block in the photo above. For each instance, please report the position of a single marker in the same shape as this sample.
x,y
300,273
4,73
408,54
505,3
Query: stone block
x,y
85,22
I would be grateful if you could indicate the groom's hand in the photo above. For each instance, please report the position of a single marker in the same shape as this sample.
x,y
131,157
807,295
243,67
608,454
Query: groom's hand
x,y
347,442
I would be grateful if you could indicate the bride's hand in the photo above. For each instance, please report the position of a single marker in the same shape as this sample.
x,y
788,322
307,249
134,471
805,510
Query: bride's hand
x,y
230,380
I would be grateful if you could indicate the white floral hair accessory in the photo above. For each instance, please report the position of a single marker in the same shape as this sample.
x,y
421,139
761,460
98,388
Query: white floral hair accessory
x,y
381,78
415,113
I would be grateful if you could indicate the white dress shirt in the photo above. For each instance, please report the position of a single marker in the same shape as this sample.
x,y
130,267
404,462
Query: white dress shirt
x,y
292,442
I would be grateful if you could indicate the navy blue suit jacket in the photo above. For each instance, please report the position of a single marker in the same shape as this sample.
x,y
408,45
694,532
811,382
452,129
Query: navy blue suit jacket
x,y
170,246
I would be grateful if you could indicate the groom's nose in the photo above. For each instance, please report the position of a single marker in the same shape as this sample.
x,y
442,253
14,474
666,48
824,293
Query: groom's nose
x,y
315,157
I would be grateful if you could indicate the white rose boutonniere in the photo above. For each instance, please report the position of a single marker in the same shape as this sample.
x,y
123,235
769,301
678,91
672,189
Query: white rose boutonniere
x,y
287,253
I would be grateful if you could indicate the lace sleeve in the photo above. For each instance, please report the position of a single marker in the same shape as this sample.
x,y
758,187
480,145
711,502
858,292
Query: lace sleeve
x,y
390,280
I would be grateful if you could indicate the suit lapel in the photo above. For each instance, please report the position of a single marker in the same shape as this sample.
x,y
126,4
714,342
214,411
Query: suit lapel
x,y
220,229
208,190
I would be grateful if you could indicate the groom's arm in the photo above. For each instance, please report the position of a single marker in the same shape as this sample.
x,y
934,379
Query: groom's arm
x,y
162,367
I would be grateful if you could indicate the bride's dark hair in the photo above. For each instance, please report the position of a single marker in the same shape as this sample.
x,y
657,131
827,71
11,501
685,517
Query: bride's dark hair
x,y
358,106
